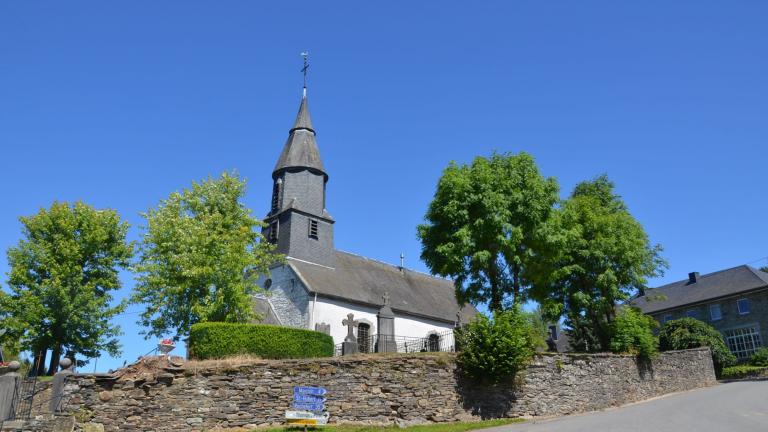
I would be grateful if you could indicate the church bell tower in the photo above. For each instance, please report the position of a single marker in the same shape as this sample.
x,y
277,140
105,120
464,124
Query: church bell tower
x,y
298,223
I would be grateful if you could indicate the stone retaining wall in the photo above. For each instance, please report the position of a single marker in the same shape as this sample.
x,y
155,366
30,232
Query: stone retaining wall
x,y
381,389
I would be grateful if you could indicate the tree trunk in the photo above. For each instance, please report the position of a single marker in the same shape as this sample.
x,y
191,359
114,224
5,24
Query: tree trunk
x,y
495,304
516,284
55,357
38,364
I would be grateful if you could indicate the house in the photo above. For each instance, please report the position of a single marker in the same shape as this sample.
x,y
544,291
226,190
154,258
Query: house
x,y
318,286
734,301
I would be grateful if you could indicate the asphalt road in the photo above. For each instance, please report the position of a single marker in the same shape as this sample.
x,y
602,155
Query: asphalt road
x,y
736,406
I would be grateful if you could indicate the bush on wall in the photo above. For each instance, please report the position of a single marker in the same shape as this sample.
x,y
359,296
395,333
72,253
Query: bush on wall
x,y
633,333
217,340
685,333
496,349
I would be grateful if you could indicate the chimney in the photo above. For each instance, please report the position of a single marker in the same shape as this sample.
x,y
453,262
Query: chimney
x,y
693,277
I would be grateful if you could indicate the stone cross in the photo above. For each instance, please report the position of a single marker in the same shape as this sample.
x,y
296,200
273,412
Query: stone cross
x,y
350,322
385,297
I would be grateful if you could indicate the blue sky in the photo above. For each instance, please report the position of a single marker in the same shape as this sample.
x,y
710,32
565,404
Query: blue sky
x,y
119,104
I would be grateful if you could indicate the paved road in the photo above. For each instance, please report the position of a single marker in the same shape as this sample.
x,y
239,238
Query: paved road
x,y
736,406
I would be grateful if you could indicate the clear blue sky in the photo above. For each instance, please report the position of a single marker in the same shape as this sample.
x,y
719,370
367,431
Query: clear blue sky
x,y
119,104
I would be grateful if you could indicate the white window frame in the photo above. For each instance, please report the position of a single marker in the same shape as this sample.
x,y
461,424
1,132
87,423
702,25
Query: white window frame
x,y
743,341
713,316
739,303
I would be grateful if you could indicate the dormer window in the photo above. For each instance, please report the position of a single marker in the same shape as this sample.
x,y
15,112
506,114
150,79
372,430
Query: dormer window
x,y
313,229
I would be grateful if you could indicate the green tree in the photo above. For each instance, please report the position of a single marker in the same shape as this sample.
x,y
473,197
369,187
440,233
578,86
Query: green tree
x,y
485,226
199,258
686,333
495,349
633,333
603,257
61,277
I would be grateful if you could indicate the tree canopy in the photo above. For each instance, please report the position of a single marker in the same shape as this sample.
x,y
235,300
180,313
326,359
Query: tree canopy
x,y
62,274
199,256
603,256
486,225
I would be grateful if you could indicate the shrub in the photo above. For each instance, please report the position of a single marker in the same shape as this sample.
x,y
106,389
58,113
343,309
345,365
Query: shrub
x,y
217,340
494,349
688,333
744,371
760,357
633,334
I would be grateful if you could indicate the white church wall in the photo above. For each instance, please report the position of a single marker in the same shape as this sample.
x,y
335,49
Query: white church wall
x,y
333,312
287,296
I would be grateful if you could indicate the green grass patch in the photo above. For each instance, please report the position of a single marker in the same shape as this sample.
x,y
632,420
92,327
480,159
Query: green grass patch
x,y
744,371
436,427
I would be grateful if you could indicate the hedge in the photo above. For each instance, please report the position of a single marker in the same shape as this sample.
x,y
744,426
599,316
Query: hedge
x,y
744,371
218,340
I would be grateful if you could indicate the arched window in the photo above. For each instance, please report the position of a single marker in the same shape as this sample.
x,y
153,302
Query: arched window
x,y
364,337
433,343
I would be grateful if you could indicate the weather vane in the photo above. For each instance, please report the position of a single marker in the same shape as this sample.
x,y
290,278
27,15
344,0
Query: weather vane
x,y
305,54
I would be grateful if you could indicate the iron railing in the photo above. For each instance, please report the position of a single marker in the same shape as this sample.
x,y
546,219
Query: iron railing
x,y
434,342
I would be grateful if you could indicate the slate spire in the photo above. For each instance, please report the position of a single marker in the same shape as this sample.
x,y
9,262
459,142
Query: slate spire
x,y
300,150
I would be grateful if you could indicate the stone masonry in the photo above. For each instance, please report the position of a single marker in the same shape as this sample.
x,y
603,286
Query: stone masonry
x,y
381,389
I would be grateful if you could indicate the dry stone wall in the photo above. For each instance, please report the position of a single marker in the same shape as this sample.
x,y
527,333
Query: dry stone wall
x,y
382,389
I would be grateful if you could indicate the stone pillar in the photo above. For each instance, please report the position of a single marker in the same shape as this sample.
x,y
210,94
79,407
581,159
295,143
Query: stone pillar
x,y
9,389
57,385
386,334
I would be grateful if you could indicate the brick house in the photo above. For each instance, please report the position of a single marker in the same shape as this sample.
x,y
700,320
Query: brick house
x,y
734,301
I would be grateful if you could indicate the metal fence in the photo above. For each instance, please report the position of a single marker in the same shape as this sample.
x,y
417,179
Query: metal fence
x,y
434,342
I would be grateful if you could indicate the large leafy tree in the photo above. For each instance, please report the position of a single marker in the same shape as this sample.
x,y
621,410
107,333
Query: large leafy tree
x,y
61,277
198,257
487,225
603,257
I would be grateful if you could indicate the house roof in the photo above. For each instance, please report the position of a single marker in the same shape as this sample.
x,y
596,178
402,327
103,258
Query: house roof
x,y
363,280
707,287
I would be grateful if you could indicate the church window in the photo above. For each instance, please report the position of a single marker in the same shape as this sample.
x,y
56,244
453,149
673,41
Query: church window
x,y
364,338
313,229
272,238
276,194
433,343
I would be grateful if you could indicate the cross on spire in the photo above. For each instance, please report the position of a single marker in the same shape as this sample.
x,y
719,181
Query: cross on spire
x,y
304,70
385,297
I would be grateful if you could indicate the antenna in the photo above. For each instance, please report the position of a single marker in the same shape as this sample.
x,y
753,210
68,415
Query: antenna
x,y
304,70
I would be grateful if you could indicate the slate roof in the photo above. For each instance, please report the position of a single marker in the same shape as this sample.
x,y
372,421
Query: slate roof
x,y
707,287
300,150
362,280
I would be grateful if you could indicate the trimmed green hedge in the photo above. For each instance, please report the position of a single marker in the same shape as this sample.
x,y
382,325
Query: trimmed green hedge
x,y
217,340
744,371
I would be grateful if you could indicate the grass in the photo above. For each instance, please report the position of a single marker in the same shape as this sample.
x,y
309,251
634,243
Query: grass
x,y
436,427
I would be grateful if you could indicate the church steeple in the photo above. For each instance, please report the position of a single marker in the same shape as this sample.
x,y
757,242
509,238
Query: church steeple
x,y
298,223
300,150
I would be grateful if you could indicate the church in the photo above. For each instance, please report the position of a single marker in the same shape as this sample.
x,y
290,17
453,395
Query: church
x,y
318,287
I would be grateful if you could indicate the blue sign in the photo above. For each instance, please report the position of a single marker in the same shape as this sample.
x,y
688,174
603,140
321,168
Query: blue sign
x,y
309,406
317,391
308,398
